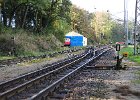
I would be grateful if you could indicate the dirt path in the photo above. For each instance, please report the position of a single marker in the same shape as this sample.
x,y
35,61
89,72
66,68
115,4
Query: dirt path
x,y
124,86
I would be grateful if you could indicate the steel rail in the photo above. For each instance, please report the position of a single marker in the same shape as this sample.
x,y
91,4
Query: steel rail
x,y
23,86
29,76
5,85
42,94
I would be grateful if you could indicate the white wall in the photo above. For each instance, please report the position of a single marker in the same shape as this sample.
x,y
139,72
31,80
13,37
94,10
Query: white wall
x,y
84,41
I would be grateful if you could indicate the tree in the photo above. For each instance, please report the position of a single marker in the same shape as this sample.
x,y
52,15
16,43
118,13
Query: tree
x,y
81,22
117,34
34,15
102,24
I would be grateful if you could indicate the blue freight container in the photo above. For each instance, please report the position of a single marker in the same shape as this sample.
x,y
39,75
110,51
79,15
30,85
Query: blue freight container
x,y
76,39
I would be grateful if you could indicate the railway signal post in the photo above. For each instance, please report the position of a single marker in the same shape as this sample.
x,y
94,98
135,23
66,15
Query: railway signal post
x,y
118,65
119,60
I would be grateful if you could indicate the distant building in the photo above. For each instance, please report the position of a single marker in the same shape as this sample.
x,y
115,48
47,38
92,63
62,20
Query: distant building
x,y
75,39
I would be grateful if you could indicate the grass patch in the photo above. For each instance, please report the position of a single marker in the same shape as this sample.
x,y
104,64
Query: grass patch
x,y
40,60
127,49
27,43
130,50
138,72
6,57
136,81
34,61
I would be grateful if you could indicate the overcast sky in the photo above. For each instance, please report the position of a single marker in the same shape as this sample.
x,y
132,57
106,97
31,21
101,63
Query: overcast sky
x,y
115,7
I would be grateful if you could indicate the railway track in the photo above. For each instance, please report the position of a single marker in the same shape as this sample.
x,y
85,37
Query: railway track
x,y
38,84
107,61
29,76
89,82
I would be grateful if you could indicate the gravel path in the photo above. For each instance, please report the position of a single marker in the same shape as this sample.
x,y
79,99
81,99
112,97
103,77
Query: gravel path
x,y
105,85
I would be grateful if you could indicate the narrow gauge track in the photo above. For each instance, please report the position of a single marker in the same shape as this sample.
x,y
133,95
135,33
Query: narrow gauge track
x,y
21,79
36,85
91,83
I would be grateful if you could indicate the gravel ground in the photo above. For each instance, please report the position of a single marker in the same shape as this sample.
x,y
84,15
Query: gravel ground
x,y
94,84
106,85
90,84
10,72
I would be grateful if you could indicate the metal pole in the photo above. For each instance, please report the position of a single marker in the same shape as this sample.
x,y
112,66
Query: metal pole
x,y
127,28
0,13
126,23
135,27
124,20
0,20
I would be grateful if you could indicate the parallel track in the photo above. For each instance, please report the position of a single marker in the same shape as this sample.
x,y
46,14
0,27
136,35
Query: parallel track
x,y
37,85
21,79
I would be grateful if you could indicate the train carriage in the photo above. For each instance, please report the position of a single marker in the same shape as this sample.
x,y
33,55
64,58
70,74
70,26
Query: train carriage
x,y
67,42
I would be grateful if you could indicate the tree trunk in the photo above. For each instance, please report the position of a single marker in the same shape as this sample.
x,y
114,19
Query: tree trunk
x,y
24,18
4,15
4,18
36,21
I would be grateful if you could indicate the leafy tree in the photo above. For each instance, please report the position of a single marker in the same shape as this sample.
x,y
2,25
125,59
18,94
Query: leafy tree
x,y
117,32
58,17
102,24
81,22
34,15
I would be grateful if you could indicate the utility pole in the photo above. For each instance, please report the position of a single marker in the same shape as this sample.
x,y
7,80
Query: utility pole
x,y
136,24
1,1
0,10
126,22
0,16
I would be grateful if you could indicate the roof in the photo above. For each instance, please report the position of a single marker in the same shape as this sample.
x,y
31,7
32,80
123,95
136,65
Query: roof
x,y
120,42
73,34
